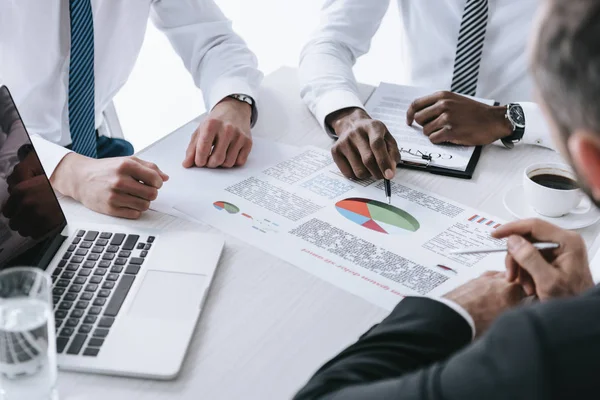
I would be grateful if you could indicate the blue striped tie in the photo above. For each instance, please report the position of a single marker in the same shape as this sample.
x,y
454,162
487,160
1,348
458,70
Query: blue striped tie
x,y
81,79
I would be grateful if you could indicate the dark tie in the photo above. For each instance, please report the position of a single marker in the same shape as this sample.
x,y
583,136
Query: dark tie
x,y
81,79
470,47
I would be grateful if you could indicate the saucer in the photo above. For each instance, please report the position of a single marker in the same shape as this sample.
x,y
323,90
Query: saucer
x,y
515,203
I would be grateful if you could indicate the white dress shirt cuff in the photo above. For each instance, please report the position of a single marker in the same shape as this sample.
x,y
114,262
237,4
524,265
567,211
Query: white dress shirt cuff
x,y
227,86
461,311
50,154
537,131
333,101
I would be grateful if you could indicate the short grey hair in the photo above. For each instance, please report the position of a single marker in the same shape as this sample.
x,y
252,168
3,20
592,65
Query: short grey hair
x,y
566,63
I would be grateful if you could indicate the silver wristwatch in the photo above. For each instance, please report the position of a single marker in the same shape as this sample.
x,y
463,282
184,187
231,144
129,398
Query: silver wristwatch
x,y
243,98
248,100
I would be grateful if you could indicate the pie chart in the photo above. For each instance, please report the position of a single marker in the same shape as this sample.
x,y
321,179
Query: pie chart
x,y
377,216
230,208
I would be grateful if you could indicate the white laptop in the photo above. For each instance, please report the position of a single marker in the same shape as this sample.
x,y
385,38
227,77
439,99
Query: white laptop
x,y
126,301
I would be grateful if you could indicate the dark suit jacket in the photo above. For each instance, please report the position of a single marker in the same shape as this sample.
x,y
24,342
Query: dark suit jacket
x,y
423,350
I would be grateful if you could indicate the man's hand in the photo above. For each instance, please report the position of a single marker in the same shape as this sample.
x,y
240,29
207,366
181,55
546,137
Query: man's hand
x,y
549,274
121,187
365,147
31,208
486,297
26,169
448,117
223,139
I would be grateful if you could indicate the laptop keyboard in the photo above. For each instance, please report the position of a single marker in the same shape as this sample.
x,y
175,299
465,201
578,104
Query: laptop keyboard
x,y
90,285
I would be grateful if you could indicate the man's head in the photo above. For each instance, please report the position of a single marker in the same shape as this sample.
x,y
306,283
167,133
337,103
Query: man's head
x,y
566,69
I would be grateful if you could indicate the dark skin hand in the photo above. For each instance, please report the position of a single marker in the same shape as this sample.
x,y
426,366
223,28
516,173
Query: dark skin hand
x,y
32,209
365,147
448,117
25,170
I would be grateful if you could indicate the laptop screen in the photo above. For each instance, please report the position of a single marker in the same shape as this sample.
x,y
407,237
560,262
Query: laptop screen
x,y
31,219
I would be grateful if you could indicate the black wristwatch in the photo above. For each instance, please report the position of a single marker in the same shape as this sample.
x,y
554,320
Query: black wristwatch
x,y
516,116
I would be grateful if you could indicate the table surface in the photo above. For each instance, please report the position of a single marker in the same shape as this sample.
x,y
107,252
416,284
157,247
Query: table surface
x,y
267,325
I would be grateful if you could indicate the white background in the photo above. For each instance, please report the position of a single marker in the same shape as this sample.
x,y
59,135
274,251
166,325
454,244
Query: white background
x,y
161,96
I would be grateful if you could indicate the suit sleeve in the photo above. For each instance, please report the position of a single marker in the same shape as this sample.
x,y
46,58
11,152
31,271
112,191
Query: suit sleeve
x,y
419,353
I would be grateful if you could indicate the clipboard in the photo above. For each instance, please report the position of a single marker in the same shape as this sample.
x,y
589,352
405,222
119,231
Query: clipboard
x,y
391,93
425,163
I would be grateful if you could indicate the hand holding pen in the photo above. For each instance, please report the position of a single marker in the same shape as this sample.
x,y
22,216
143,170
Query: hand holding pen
x,y
563,271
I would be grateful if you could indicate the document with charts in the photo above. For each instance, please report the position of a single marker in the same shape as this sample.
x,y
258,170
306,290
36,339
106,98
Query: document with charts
x,y
389,104
304,211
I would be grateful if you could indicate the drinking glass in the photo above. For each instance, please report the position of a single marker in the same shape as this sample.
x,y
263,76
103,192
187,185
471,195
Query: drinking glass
x,y
27,336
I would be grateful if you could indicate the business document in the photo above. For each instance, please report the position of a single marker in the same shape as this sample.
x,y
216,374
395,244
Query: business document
x,y
304,211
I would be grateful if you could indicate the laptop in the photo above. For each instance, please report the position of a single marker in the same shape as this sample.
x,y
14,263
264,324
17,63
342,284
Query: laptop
x,y
126,301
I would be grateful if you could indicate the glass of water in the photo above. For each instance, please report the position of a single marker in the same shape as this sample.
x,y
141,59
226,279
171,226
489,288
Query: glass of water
x,y
27,337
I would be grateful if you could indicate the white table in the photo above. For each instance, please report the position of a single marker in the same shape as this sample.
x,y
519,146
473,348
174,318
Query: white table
x,y
267,325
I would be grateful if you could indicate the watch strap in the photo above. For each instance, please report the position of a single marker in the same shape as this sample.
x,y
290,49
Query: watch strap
x,y
513,139
250,101
517,135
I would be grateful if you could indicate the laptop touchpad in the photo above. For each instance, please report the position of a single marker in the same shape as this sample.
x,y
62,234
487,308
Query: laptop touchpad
x,y
169,296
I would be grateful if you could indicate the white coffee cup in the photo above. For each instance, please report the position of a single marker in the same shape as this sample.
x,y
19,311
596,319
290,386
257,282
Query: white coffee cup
x,y
548,201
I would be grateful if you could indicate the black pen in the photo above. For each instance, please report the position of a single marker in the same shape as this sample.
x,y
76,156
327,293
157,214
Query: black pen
x,y
388,190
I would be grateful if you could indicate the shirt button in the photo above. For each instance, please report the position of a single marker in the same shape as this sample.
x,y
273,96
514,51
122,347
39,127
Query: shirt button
x,y
539,141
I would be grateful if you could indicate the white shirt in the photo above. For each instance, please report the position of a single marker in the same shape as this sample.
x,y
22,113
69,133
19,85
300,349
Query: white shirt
x,y
35,52
431,30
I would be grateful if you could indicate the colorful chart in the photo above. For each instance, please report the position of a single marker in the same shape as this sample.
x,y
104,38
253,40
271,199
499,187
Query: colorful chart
x,y
230,208
377,216
262,225
482,220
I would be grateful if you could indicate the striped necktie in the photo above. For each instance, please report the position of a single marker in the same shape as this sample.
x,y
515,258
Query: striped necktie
x,y
81,79
470,47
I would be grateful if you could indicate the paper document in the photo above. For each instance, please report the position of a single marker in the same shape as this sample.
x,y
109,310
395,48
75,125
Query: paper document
x,y
389,104
304,211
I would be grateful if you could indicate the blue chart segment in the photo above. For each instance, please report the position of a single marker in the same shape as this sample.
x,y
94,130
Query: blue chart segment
x,y
352,216
377,216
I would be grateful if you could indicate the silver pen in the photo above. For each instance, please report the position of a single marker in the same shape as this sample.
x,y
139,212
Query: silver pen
x,y
479,250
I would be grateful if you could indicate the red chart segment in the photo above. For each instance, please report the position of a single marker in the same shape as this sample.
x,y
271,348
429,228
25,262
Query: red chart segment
x,y
372,225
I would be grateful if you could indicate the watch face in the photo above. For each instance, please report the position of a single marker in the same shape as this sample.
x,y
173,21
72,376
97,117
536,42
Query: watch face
x,y
517,116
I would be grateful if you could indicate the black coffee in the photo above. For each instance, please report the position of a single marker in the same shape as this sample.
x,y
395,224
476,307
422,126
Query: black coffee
x,y
555,181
